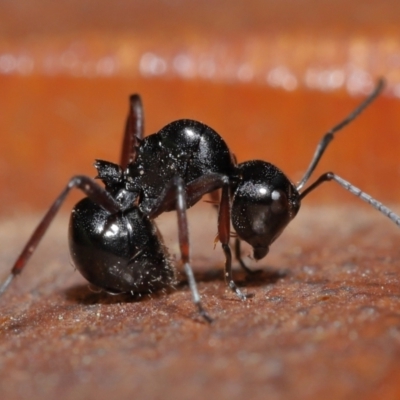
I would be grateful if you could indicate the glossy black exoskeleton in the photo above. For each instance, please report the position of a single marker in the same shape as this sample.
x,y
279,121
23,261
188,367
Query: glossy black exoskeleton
x,y
113,239
184,148
263,203
119,253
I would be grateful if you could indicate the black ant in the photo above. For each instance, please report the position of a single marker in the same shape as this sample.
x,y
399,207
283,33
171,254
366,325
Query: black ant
x,y
113,240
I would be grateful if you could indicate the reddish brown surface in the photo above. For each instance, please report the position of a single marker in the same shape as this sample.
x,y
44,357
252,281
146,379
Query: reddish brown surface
x,y
324,322
215,17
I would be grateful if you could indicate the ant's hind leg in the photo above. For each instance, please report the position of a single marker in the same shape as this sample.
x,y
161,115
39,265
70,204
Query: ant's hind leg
x,y
92,190
134,130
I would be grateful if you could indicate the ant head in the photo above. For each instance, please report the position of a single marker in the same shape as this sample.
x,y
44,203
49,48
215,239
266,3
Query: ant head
x,y
264,202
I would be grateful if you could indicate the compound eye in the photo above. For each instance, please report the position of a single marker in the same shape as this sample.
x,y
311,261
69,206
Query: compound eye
x,y
276,195
279,201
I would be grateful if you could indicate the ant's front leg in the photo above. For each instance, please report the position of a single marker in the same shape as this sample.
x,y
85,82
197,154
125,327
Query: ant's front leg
x,y
215,200
224,218
238,256
92,190
208,184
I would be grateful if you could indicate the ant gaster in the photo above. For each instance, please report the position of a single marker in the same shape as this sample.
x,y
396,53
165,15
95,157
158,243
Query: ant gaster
x,y
113,239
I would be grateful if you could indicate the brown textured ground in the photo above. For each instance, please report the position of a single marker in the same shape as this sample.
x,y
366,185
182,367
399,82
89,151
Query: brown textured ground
x,y
324,321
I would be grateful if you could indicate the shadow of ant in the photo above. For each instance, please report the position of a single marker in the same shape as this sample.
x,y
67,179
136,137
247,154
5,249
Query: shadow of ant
x,y
258,277
88,294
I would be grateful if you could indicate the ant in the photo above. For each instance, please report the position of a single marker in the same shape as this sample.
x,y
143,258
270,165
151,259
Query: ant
x,y
113,239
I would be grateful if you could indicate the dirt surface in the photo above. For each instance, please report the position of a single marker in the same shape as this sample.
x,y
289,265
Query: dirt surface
x,y
324,321
270,77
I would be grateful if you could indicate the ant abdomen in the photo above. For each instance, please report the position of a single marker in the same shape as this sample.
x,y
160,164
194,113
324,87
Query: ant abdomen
x,y
120,252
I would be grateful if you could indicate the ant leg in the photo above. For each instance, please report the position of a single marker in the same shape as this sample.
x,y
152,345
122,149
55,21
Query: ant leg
x,y
95,192
194,191
183,232
134,129
176,188
238,257
215,200
330,176
208,182
224,219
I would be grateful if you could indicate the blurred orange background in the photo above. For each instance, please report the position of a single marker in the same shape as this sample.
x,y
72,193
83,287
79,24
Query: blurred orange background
x,y
271,77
